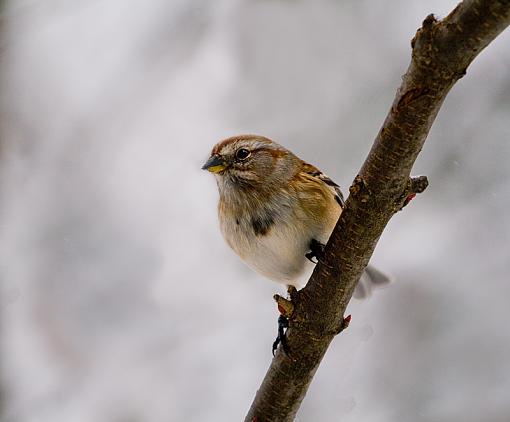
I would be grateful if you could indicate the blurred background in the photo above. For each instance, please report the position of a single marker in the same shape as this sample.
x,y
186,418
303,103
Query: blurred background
x,y
120,301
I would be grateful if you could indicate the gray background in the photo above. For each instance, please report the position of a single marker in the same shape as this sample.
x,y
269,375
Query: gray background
x,y
120,301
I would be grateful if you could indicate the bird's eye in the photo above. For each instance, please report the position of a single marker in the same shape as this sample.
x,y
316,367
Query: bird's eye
x,y
242,154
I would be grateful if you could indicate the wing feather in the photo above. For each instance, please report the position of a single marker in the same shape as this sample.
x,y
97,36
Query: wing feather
x,y
334,188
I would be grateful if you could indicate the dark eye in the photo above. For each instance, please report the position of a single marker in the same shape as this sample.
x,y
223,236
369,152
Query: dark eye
x,y
242,154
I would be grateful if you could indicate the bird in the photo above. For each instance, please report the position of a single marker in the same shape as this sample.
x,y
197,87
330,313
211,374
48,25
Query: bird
x,y
276,211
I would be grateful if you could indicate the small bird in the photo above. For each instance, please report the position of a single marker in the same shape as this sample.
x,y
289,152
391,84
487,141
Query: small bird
x,y
276,211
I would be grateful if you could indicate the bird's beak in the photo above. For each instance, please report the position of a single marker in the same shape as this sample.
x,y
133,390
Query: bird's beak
x,y
214,164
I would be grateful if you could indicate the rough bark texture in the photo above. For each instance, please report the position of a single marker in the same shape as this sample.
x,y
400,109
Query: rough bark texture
x,y
441,53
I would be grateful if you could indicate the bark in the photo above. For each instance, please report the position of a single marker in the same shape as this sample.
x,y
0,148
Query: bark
x,y
441,53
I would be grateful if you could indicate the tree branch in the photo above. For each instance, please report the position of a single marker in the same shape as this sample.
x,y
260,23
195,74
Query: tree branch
x,y
441,53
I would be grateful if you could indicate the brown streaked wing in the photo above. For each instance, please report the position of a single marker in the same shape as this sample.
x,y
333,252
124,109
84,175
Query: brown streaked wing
x,y
335,189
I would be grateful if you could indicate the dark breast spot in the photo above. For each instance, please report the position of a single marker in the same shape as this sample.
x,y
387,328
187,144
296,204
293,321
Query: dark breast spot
x,y
262,224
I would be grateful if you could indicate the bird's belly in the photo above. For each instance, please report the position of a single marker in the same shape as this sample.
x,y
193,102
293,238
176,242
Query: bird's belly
x,y
279,254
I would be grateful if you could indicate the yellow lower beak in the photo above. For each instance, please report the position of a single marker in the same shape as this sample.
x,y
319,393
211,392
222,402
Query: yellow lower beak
x,y
214,164
216,169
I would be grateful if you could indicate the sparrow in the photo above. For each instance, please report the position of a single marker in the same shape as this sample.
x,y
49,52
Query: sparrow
x,y
276,211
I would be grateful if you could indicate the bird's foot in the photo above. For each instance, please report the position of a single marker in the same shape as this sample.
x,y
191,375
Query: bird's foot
x,y
316,251
283,324
286,309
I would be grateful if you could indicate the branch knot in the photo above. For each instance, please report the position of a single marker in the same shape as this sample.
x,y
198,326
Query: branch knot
x,y
414,186
359,189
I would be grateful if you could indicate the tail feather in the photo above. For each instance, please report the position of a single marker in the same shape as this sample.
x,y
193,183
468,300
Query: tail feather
x,y
370,279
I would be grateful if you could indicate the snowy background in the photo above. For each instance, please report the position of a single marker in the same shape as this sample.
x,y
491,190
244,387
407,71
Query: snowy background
x,y
120,301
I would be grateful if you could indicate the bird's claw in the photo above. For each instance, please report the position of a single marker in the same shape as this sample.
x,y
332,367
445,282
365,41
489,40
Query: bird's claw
x,y
310,256
283,324
316,251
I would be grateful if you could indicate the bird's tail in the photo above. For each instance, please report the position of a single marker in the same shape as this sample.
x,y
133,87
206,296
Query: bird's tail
x,y
371,279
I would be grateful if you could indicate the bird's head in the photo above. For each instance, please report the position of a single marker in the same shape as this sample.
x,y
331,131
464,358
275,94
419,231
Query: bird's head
x,y
250,161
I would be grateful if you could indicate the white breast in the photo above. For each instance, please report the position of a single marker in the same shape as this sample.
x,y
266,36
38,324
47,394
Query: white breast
x,y
280,253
